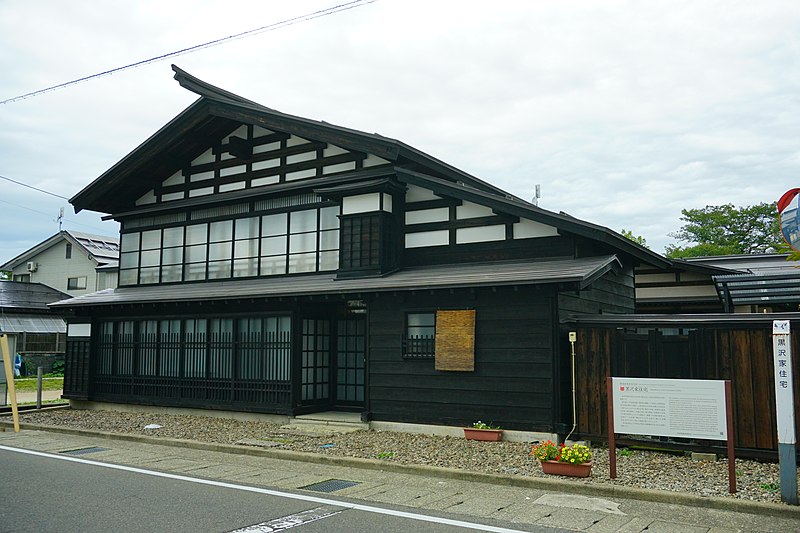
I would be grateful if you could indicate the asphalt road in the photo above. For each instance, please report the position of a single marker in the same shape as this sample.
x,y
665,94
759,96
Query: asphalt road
x,y
46,493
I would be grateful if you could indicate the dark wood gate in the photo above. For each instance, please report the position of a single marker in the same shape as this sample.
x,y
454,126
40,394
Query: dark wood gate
x,y
734,347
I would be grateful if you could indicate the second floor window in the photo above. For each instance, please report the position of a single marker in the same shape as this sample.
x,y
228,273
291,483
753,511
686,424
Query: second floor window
x,y
76,283
269,245
69,251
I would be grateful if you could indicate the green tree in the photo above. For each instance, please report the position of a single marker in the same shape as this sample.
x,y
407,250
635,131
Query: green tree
x,y
638,239
726,230
5,275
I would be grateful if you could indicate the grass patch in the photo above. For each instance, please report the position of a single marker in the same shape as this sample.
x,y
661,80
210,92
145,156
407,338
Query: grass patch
x,y
29,384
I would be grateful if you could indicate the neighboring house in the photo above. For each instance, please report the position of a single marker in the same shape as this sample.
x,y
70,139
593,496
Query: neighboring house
x,y
754,283
72,262
33,330
276,264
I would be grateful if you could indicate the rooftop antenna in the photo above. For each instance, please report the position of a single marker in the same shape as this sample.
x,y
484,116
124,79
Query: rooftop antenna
x,y
536,195
60,218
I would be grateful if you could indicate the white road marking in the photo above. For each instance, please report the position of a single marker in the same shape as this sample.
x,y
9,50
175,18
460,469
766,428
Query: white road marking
x,y
287,522
279,494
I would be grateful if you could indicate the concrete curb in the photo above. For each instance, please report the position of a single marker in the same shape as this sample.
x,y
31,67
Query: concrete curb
x,y
560,485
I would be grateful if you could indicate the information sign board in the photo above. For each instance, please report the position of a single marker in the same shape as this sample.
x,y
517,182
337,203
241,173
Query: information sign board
x,y
689,408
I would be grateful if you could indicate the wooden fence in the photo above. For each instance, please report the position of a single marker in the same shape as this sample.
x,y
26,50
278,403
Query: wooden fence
x,y
735,347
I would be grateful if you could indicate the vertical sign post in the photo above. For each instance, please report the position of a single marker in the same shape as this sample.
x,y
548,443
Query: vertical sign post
x,y
784,408
6,354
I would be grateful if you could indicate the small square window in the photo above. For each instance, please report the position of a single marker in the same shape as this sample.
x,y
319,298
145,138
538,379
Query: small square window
x,y
76,283
420,335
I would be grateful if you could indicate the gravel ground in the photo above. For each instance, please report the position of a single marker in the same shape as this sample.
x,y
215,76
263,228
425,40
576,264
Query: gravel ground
x,y
757,481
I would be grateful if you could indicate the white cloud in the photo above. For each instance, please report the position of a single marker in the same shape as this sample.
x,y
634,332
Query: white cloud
x,y
625,112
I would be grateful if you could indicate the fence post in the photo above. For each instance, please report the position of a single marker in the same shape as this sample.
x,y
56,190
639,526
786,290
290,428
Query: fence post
x,y
39,387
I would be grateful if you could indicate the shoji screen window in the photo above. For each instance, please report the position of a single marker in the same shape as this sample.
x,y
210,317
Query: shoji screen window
x,y
220,249
195,252
273,244
245,247
172,255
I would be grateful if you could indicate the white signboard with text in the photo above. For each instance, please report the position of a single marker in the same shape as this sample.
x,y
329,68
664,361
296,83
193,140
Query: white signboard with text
x,y
689,408
784,387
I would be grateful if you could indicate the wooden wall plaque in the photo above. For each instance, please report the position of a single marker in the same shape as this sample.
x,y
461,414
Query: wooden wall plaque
x,y
455,340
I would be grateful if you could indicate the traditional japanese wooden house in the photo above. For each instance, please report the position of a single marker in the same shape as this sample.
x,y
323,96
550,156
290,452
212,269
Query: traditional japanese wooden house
x,y
275,264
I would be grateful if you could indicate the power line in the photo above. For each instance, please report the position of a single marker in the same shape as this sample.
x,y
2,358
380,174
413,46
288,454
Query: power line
x,y
209,44
34,188
69,221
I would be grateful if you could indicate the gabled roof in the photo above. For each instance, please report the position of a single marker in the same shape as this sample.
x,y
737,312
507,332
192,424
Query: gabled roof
x,y
747,263
219,112
28,296
100,248
578,273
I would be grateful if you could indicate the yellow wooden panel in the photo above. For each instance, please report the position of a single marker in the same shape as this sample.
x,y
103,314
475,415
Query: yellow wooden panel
x,y
455,340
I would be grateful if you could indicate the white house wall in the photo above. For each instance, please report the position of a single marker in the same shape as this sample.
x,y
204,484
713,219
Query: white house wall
x,y
53,269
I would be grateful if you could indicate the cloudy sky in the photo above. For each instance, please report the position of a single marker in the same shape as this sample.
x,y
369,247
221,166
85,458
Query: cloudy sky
x,y
625,112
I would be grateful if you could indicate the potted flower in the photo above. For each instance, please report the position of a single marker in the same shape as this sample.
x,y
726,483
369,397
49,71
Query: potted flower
x,y
575,460
481,431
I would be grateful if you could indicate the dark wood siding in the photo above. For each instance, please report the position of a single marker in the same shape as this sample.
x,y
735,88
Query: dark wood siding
x,y
612,293
512,384
545,248
76,369
742,355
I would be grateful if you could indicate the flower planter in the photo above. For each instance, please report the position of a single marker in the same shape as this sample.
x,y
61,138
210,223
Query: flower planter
x,y
483,434
567,469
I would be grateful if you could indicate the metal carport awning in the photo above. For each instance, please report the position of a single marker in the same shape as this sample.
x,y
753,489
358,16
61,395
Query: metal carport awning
x,y
31,324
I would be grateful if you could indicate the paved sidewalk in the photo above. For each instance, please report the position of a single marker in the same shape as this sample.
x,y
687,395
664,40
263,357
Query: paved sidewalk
x,y
549,502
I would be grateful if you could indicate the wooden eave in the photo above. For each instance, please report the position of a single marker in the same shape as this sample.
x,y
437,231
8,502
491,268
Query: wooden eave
x,y
142,168
562,272
729,320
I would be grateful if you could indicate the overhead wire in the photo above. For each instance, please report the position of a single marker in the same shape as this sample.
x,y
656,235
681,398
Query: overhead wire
x,y
269,27
37,189
68,220
34,188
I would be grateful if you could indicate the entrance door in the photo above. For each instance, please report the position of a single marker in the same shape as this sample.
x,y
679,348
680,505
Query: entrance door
x,y
333,367
351,341
316,362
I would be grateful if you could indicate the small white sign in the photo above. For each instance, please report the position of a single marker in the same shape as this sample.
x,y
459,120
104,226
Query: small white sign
x,y
784,387
689,408
781,327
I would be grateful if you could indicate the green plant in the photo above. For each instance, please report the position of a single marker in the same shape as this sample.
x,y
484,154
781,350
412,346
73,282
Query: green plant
x,y
770,487
58,368
625,452
29,384
549,451
481,425
385,455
